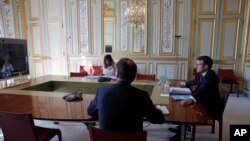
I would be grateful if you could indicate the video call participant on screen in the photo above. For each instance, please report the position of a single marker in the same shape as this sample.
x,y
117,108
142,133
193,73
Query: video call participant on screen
x,y
7,69
206,91
109,68
121,107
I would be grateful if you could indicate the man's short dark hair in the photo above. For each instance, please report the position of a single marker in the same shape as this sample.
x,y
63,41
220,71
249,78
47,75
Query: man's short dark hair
x,y
126,69
206,60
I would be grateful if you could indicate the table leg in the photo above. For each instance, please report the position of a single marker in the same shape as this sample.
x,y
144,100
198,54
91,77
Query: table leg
x,y
182,133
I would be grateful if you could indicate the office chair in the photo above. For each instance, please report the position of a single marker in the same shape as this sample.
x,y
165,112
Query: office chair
x,y
20,127
150,77
227,77
100,135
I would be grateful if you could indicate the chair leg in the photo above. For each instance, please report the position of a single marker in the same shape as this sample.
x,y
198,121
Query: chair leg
x,y
238,89
193,133
213,127
220,129
231,88
59,134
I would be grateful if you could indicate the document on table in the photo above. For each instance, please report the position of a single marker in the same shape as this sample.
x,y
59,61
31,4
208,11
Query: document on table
x,y
180,91
163,108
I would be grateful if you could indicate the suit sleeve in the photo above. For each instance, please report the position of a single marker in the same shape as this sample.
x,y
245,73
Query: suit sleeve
x,y
92,109
209,80
192,82
151,113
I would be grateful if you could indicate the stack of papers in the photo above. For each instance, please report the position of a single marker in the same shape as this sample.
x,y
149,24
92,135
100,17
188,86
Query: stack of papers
x,y
180,91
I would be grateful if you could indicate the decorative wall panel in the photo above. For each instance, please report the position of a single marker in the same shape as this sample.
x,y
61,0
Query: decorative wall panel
x,y
231,6
167,69
84,26
36,40
156,29
7,20
206,37
38,68
55,67
34,9
53,38
167,27
141,68
124,27
248,41
207,7
52,9
229,39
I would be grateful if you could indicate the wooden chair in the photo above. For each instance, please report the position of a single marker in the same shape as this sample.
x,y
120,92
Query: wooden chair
x,y
150,77
20,127
78,74
224,98
100,135
227,77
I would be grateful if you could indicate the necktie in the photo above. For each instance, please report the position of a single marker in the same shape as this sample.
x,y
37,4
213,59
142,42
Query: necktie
x,y
201,77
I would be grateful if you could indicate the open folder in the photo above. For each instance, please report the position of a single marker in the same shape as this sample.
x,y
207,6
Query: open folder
x,y
180,91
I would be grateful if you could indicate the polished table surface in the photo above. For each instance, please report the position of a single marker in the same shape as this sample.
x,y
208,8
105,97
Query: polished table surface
x,y
50,105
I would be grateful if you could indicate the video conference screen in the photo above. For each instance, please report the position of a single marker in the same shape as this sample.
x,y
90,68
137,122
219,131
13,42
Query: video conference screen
x,y
13,58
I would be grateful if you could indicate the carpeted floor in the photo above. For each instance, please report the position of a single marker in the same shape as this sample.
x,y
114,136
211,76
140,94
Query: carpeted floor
x,y
237,108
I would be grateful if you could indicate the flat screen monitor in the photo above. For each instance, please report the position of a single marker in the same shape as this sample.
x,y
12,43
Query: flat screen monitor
x,y
13,58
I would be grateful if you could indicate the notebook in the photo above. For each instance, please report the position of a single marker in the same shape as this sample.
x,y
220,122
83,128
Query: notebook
x,y
180,91
181,97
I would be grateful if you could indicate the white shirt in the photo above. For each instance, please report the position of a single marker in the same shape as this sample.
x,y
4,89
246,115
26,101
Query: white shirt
x,y
109,71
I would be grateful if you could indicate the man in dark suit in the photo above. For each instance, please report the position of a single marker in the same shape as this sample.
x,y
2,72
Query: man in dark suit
x,y
206,90
121,107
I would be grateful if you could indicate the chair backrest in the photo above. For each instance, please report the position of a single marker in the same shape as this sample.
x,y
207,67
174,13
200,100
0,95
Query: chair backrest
x,y
78,74
225,74
223,100
17,126
100,135
86,69
96,70
150,77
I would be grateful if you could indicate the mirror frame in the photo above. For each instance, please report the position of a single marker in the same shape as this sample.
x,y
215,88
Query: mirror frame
x,y
130,32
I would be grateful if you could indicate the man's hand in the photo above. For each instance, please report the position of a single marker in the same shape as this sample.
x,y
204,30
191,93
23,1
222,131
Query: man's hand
x,y
181,83
187,102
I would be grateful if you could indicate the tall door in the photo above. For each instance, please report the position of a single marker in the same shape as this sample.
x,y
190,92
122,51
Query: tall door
x,y
46,37
218,32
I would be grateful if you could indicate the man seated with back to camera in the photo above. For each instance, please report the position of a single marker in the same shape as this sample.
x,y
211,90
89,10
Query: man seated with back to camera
x,y
121,107
206,92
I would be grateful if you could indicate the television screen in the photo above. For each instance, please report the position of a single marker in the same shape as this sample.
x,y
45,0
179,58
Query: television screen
x,y
13,58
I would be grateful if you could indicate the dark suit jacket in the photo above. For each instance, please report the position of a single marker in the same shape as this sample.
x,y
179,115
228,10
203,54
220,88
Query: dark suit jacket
x,y
207,93
122,108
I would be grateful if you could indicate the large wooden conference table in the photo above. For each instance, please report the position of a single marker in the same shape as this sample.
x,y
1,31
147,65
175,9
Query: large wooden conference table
x,y
43,98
